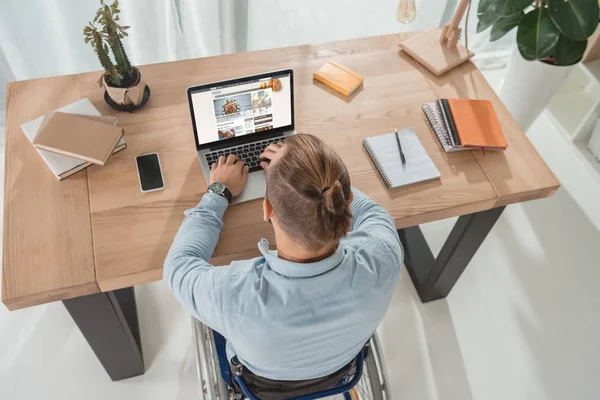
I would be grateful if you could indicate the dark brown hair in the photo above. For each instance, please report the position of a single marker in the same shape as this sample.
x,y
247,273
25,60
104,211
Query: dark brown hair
x,y
309,190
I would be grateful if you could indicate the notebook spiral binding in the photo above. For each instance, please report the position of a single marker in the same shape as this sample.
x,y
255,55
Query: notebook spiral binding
x,y
377,163
434,122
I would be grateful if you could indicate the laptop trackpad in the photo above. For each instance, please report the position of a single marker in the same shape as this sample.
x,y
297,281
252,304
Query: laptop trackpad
x,y
255,188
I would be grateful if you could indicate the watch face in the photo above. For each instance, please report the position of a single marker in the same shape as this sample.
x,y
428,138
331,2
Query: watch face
x,y
217,188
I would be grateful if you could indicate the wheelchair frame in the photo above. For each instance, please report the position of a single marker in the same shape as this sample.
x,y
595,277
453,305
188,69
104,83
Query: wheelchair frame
x,y
212,386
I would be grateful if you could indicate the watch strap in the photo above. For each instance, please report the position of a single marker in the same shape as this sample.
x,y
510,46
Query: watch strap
x,y
212,188
227,195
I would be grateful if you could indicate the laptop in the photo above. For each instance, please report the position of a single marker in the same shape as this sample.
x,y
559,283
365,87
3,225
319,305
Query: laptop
x,y
242,116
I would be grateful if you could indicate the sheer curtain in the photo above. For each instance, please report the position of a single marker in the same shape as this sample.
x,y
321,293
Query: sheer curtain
x,y
41,38
277,23
44,38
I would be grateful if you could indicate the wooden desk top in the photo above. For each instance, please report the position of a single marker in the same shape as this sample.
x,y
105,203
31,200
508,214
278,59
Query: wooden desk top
x,y
97,231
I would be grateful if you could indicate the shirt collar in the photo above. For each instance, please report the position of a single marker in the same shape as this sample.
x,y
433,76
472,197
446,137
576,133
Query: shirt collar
x,y
300,270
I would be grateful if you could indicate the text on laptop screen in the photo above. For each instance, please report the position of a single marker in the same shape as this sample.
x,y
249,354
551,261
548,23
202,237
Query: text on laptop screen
x,y
239,109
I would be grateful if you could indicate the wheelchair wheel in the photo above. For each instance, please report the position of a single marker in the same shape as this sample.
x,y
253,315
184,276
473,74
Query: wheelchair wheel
x,y
380,361
369,387
374,382
211,386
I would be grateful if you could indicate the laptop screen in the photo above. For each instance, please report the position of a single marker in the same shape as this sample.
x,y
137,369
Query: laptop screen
x,y
242,107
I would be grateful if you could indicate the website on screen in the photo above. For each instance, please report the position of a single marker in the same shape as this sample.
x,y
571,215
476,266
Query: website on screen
x,y
240,109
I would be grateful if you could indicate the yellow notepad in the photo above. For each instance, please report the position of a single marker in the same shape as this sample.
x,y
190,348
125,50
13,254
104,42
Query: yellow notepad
x,y
339,78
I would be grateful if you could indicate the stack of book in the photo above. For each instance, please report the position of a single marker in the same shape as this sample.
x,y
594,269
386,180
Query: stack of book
x,y
463,124
74,137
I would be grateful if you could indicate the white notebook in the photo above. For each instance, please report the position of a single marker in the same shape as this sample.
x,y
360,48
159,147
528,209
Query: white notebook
x,y
63,166
384,152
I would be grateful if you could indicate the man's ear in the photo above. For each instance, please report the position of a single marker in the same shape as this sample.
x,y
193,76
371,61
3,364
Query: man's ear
x,y
267,210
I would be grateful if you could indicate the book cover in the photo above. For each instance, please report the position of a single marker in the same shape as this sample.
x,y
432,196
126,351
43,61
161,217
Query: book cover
x,y
339,78
477,124
77,136
60,165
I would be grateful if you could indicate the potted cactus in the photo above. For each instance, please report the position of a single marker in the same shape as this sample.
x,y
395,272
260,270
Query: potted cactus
x,y
124,88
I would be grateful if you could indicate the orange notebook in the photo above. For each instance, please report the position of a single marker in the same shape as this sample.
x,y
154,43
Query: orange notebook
x,y
477,124
339,78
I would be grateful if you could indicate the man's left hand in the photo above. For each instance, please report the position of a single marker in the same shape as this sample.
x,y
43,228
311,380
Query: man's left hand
x,y
231,171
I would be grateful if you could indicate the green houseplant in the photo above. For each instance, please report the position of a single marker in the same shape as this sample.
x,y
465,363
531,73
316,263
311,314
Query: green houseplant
x,y
124,88
551,38
552,31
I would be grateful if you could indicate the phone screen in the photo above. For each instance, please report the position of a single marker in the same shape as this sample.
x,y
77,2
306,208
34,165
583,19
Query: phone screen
x,y
149,171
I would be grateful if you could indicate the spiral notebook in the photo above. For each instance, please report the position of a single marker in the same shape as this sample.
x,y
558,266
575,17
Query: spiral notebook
x,y
435,117
384,152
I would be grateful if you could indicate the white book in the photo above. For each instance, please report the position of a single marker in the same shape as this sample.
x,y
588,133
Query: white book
x,y
60,165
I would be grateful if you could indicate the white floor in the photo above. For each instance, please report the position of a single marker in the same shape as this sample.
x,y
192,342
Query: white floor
x,y
522,322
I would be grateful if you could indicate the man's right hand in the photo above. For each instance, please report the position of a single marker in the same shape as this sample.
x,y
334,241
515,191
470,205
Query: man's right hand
x,y
231,171
273,153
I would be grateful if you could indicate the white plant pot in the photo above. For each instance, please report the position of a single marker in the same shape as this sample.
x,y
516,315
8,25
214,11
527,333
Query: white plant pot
x,y
528,86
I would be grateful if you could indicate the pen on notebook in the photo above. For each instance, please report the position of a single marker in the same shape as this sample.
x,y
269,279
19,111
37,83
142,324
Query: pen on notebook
x,y
400,147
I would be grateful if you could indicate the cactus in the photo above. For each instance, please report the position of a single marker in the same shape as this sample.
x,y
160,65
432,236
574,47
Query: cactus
x,y
93,36
109,36
120,56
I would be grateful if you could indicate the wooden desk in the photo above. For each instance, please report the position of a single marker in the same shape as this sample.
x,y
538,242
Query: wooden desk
x,y
95,232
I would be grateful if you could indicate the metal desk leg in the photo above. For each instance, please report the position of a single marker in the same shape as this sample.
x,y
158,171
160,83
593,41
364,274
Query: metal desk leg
x,y
109,323
434,278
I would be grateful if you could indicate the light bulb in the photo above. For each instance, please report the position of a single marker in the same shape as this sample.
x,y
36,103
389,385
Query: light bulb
x,y
406,12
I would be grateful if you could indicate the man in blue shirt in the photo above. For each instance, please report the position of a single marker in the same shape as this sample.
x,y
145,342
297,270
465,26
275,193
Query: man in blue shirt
x,y
305,310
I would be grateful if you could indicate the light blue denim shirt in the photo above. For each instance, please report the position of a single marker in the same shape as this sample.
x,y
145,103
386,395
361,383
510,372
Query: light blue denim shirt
x,y
287,320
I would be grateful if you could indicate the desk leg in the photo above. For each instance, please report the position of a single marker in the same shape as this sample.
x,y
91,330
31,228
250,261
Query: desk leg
x,y
434,278
109,323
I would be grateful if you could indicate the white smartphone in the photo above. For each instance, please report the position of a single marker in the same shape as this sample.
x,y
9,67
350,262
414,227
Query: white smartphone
x,y
149,172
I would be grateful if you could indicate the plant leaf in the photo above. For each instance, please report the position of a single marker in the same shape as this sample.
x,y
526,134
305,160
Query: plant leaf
x,y
487,18
485,4
510,7
576,19
504,25
537,35
568,51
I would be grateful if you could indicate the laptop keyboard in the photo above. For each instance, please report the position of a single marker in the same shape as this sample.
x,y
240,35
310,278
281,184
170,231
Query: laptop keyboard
x,y
247,152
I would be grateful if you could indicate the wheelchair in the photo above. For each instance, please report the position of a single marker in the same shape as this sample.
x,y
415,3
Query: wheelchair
x,y
216,381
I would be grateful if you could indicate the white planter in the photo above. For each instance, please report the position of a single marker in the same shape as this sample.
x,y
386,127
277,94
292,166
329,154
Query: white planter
x,y
528,86
594,144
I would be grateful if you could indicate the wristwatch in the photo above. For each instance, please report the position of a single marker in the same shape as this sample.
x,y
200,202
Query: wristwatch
x,y
220,189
